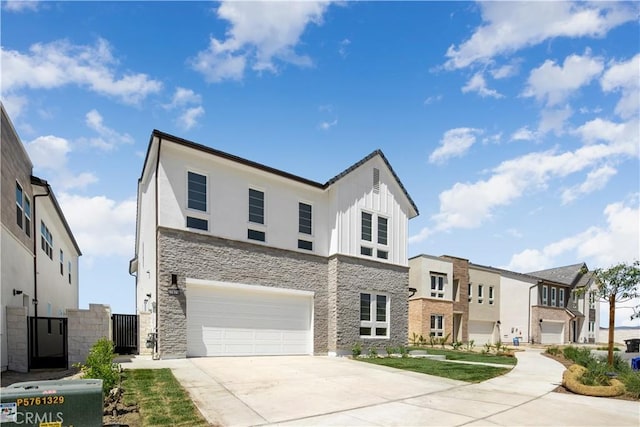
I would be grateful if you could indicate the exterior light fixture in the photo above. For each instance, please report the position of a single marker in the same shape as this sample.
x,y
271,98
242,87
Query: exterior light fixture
x,y
174,289
17,292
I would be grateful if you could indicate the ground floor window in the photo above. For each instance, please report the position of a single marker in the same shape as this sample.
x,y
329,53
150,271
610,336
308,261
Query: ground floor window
x,y
437,325
374,315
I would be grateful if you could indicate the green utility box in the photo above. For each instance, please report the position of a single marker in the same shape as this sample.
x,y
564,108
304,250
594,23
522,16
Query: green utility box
x,y
58,403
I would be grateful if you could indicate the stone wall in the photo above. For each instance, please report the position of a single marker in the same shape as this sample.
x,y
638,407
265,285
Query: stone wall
x,y
420,311
17,339
145,327
549,313
461,273
85,327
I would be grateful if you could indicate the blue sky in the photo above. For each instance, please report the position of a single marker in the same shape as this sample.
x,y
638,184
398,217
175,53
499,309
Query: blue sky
x,y
514,126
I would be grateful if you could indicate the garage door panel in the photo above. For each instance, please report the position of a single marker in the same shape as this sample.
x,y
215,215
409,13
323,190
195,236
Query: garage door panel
x,y
227,321
552,332
481,332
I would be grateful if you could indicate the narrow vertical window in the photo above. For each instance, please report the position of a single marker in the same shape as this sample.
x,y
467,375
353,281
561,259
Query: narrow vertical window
x,y
376,180
19,209
46,240
469,288
304,218
366,226
553,297
480,294
197,191
365,307
27,216
256,206
61,262
69,270
382,230
561,298
545,295
491,294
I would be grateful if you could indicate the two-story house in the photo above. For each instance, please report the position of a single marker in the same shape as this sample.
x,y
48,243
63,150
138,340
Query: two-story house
x,y
39,254
234,257
463,301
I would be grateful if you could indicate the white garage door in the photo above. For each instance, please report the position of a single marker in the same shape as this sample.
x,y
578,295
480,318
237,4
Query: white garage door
x,y
480,332
552,332
241,320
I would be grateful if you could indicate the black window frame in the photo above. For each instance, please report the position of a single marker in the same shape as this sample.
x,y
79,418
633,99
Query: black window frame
x,y
195,192
256,206
305,218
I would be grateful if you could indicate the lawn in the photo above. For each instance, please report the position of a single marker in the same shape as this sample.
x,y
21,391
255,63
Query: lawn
x,y
454,371
470,356
160,398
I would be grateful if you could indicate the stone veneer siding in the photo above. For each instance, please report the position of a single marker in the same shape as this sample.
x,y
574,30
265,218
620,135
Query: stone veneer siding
x,y
336,282
549,313
17,339
85,327
461,273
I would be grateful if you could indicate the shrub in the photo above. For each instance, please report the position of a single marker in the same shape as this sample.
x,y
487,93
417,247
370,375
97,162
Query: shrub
x,y
580,356
487,347
403,351
356,350
373,353
631,381
390,350
554,350
456,345
99,365
415,339
470,345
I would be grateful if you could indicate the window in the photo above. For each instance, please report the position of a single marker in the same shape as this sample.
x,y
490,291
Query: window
x,y
480,294
69,270
469,287
561,298
366,251
592,300
256,235
553,297
197,223
592,326
46,240
437,325
27,216
374,316
437,286
61,263
366,226
574,295
376,180
545,295
382,230
305,244
256,206
19,209
382,254
491,295
197,191
304,218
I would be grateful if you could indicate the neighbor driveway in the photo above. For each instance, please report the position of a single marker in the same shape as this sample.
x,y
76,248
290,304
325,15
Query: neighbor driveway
x,y
305,390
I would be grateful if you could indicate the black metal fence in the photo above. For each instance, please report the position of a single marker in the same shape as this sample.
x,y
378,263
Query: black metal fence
x,y
125,333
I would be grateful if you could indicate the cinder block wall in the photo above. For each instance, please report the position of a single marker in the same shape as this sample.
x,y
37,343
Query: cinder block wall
x,y
85,327
145,327
17,339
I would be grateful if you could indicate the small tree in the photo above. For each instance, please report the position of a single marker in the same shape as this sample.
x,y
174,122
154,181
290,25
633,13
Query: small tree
x,y
616,284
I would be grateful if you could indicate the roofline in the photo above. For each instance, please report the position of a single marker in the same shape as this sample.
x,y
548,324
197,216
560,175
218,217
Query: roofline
x,y
13,130
43,183
231,157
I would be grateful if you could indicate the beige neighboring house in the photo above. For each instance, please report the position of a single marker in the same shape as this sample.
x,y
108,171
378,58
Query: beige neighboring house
x,y
470,302
39,255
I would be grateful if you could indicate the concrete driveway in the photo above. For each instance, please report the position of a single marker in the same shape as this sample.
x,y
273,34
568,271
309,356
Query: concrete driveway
x,y
305,391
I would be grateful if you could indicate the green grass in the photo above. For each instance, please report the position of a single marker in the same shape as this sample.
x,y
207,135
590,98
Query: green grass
x,y
470,356
160,398
454,371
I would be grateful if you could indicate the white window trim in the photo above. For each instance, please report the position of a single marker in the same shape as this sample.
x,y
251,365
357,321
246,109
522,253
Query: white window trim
x,y
480,293
439,294
545,295
373,323
305,236
492,295
561,296
437,332
373,243
554,296
20,205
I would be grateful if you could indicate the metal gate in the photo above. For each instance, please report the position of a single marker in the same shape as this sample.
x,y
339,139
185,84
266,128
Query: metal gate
x,y
48,343
125,333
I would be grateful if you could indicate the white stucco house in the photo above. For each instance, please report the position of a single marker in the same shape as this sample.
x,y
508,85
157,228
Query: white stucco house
x,y
234,257
39,254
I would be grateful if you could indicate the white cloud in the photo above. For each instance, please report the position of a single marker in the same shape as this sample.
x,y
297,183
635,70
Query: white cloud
x,y
15,105
328,125
624,77
524,134
50,154
510,26
432,99
493,139
599,246
189,118
455,143
342,50
468,205
108,139
183,97
20,5
260,33
56,64
421,236
597,179
553,120
478,84
553,84
504,71
102,226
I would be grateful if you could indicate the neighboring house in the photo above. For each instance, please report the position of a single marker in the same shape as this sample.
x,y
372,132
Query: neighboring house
x,y
39,255
469,302
237,258
566,308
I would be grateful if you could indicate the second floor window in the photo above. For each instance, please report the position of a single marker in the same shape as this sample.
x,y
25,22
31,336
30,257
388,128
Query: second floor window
x,y
561,298
382,230
480,294
19,205
545,295
61,263
27,216
46,240
553,297
69,270
256,206
469,288
491,294
197,191
437,286
304,218
367,230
